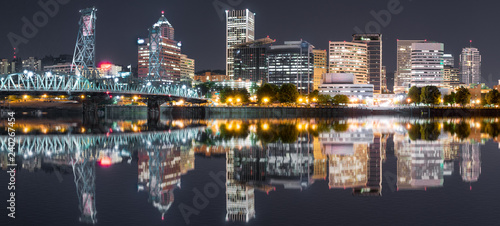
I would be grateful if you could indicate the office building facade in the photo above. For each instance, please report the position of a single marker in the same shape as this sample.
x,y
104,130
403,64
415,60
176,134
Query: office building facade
x,y
427,64
349,57
250,60
320,66
240,28
292,62
403,76
374,53
187,68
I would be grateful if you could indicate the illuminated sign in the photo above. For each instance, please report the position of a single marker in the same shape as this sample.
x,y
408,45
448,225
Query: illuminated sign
x,y
140,41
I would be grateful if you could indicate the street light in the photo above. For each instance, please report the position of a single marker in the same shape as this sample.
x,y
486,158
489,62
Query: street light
x,y
265,100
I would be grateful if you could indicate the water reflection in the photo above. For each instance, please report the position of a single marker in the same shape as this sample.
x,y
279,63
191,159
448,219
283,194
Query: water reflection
x,y
260,155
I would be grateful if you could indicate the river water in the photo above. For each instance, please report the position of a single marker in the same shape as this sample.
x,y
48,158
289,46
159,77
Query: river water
x,y
349,171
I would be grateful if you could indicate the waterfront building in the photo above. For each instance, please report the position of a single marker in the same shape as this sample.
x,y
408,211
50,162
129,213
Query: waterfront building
x,y
187,68
349,57
169,56
374,59
470,66
240,84
292,62
240,28
320,66
250,60
403,76
343,84
210,77
427,64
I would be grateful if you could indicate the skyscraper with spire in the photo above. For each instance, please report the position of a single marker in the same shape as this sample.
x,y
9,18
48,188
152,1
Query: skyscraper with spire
x,y
169,53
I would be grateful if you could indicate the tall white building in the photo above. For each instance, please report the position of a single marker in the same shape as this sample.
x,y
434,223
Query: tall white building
x,y
403,77
349,57
448,60
470,66
427,64
240,28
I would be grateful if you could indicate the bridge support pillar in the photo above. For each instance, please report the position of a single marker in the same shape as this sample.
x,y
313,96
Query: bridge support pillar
x,y
154,112
90,109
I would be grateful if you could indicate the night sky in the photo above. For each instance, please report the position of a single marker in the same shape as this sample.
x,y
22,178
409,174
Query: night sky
x,y
202,32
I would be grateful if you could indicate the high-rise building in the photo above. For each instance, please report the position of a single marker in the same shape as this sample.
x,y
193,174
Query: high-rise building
x,y
383,80
349,57
470,66
250,60
187,68
320,66
32,64
451,77
4,67
240,28
448,60
169,55
427,64
292,63
374,59
402,78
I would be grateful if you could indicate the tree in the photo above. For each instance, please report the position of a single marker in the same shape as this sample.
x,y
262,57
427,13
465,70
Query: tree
x,y
430,131
493,97
414,94
288,93
242,94
324,99
267,91
225,93
340,99
462,96
313,94
449,99
430,95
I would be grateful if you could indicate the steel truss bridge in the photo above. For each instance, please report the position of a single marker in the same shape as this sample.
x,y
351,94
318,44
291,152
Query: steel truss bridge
x,y
62,84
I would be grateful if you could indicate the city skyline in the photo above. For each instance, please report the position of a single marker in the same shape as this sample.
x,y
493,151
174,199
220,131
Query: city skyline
x,y
47,39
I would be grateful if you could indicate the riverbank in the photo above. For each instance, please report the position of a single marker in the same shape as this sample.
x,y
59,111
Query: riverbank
x,y
53,109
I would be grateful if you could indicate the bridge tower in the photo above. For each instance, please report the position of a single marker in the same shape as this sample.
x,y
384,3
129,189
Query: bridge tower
x,y
84,56
155,49
84,176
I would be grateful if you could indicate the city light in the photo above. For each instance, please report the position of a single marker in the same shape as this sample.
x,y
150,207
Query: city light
x,y
265,126
265,100
105,161
82,97
230,100
25,97
238,100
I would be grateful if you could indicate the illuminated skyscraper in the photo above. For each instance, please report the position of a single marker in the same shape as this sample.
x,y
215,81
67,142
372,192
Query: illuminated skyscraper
x,y
470,66
349,57
427,64
240,28
320,66
451,77
169,53
292,63
402,78
250,60
374,47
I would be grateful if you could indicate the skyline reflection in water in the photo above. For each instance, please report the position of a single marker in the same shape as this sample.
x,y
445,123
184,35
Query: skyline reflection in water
x,y
261,156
